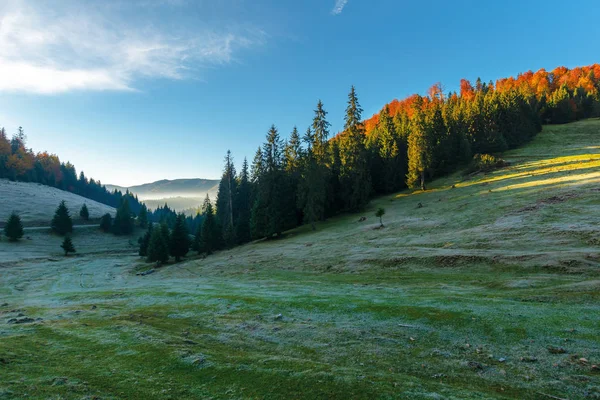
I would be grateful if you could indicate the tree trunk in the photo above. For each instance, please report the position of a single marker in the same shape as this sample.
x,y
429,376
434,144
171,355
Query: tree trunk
x,y
423,180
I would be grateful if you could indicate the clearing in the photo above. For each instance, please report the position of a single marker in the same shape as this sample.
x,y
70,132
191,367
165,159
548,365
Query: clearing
x,y
490,290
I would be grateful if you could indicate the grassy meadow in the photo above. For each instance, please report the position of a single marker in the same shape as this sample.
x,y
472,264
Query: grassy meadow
x,y
483,287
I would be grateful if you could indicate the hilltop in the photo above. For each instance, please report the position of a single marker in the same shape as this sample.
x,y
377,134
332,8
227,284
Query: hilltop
x,y
36,203
172,188
484,286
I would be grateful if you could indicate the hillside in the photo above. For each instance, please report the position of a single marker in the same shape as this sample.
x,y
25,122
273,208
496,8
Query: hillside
x,y
36,203
483,287
172,188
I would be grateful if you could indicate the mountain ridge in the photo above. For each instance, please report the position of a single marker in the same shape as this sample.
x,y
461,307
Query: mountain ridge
x,y
165,188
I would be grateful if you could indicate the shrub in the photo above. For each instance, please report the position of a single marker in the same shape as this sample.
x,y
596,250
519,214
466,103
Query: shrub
x,y
106,222
485,163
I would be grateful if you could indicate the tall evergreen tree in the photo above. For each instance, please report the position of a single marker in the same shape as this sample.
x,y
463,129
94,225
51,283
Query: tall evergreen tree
x,y
419,148
210,238
143,216
242,204
320,127
355,177
13,228
144,241
61,222
123,222
226,213
158,247
179,241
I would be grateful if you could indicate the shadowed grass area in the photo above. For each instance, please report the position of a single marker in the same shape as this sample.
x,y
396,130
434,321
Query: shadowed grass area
x,y
490,290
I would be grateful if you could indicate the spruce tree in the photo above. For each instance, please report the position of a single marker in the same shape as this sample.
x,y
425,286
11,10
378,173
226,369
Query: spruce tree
x,y
226,213
209,239
67,245
13,228
144,241
106,222
271,188
179,241
419,147
355,177
143,216
158,247
242,203
84,213
62,223
123,223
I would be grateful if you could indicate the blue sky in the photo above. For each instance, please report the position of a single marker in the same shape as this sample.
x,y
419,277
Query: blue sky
x,y
134,91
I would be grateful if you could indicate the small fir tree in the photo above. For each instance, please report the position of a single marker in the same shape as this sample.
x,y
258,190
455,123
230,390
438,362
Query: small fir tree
x,y
62,223
67,245
84,212
106,222
13,228
379,214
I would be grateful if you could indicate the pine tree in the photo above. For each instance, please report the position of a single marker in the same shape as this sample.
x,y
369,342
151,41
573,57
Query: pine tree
x,y
84,213
210,233
62,223
106,222
144,241
67,245
292,159
355,177
123,223
158,247
320,127
179,241
13,228
271,187
226,215
419,148
143,216
242,204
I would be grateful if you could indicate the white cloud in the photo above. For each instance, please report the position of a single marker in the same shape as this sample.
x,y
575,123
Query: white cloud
x,y
43,50
339,7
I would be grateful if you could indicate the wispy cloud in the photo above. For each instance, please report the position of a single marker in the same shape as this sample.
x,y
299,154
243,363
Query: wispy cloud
x,y
44,50
339,7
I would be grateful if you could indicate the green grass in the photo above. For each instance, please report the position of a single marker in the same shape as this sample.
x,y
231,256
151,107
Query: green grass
x,y
459,299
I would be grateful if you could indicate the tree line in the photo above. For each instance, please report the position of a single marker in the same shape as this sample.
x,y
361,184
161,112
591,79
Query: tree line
x,y
307,178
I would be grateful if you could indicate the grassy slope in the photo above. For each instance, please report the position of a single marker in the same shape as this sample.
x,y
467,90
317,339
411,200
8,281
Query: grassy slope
x,y
499,268
36,203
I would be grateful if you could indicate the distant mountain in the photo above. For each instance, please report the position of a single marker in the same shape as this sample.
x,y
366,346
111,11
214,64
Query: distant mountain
x,y
183,193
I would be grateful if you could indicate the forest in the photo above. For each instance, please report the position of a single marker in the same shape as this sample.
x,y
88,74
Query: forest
x,y
313,175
